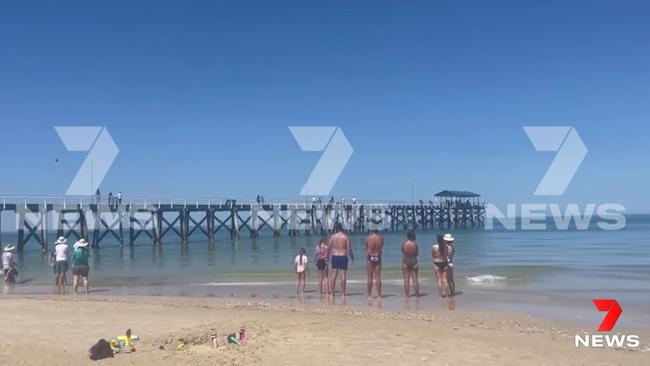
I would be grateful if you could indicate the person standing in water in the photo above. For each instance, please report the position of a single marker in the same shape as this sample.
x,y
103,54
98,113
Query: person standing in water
x,y
80,266
320,257
9,270
301,270
410,253
60,259
439,252
339,253
449,240
374,247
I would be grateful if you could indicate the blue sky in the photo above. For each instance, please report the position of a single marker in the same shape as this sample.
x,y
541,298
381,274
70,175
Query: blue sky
x,y
199,95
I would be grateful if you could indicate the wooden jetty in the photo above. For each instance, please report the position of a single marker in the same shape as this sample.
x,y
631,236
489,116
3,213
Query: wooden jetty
x,y
179,221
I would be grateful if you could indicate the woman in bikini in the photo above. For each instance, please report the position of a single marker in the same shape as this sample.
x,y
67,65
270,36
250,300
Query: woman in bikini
x,y
410,264
439,252
320,257
449,239
301,270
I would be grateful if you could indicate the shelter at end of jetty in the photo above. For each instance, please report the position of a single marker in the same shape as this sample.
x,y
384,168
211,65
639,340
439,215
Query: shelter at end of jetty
x,y
457,198
460,208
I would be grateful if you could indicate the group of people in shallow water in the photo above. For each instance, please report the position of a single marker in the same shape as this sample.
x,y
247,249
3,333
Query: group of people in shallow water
x,y
332,259
60,259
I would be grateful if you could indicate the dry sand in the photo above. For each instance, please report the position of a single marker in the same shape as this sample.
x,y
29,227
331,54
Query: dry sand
x,y
47,330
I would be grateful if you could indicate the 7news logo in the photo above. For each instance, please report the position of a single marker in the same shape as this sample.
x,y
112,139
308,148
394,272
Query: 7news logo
x,y
614,311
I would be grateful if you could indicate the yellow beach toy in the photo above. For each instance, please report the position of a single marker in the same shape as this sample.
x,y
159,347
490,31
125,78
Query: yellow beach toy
x,y
124,343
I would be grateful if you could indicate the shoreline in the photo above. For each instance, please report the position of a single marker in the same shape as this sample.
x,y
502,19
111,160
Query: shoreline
x,y
577,309
284,333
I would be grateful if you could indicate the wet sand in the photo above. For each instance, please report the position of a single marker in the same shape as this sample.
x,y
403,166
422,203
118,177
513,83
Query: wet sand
x,y
58,330
576,308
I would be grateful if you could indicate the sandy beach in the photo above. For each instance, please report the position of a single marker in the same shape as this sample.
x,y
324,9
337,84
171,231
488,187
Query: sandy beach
x,y
59,330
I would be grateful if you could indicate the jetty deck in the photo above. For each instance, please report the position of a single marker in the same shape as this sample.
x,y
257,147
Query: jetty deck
x,y
179,220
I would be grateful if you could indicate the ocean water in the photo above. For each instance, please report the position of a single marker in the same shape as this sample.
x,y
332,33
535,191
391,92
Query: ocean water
x,y
545,267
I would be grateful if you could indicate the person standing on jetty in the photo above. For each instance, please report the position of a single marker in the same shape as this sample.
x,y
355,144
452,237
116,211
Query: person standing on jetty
x,y
450,259
60,262
339,253
301,270
410,253
80,266
374,247
320,257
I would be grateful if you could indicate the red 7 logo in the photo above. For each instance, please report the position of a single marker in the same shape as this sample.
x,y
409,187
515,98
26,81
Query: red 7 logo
x,y
613,310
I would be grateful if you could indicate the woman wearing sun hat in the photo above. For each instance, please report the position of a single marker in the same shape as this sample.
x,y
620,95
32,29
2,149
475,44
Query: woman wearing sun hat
x,y
449,239
80,266
60,256
8,266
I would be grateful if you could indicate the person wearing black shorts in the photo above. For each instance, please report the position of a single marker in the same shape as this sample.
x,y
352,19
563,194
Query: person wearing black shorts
x,y
321,253
80,268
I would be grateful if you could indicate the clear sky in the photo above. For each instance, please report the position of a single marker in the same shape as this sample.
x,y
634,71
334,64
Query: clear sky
x,y
199,95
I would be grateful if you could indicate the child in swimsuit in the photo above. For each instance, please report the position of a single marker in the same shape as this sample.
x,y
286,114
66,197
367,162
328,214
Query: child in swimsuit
x,y
301,270
320,255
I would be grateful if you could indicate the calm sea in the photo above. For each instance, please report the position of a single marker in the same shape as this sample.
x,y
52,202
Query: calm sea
x,y
553,265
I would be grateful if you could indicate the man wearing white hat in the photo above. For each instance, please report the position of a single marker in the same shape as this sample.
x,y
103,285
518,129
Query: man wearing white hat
x,y
8,266
60,256
449,239
80,266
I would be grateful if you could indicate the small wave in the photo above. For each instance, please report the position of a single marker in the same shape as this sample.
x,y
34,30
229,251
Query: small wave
x,y
485,278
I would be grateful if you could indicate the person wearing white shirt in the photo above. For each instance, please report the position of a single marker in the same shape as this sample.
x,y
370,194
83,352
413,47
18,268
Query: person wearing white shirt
x,y
8,266
60,261
301,270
